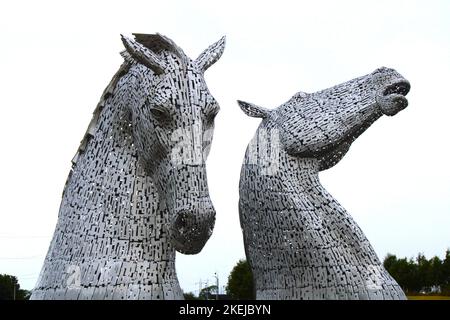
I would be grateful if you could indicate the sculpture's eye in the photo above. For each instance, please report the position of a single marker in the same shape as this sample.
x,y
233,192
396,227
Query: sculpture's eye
x,y
160,113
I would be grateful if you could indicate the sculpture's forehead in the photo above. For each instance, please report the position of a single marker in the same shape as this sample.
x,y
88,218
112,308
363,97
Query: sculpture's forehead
x,y
351,87
180,82
385,75
182,75
179,65
180,87
300,98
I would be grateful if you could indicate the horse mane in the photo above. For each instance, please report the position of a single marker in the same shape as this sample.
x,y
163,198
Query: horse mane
x,y
90,131
159,43
154,42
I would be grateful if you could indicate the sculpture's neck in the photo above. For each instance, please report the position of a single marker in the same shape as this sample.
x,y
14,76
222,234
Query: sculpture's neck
x,y
276,170
302,173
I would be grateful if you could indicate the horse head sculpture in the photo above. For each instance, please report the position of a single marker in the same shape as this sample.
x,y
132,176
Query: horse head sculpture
x,y
138,189
299,241
173,115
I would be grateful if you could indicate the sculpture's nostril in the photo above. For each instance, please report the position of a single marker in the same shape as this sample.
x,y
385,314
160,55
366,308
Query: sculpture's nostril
x,y
181,222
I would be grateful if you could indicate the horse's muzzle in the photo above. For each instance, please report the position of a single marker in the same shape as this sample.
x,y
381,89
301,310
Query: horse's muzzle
x,y
192,226
391,99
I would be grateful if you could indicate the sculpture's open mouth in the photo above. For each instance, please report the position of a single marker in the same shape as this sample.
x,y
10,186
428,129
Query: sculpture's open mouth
x,y
392,98
401,88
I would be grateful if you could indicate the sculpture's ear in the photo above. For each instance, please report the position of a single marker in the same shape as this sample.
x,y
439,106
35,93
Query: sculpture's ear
x,y
253,110
208,57
143,55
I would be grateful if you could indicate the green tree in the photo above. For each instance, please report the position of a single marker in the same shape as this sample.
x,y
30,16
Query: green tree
x,y
389,262
424,272
445,273
435,271
190,296
420,274
208,293
404,271
10,288
240,282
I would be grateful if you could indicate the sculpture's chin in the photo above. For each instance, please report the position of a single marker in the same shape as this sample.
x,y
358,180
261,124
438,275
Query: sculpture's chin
x,y
332,157
189,245
393,104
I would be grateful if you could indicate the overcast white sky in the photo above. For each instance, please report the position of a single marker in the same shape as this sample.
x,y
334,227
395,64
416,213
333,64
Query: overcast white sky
x,y
56,58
